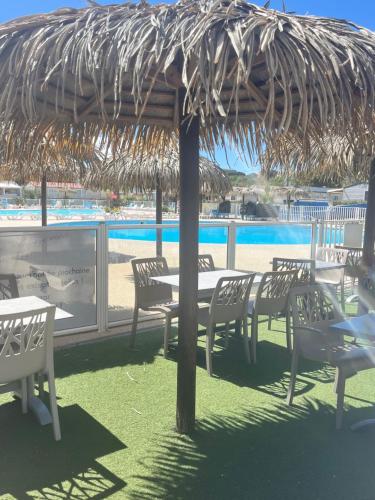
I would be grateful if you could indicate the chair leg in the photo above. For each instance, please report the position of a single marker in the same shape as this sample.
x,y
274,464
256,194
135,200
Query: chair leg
x,y
24,401
209,348
41,385
246,340
293,376
270,322
167,334
336,382
53,407
254,337
226,335
213,333
340,398
288,332
342,294
134,326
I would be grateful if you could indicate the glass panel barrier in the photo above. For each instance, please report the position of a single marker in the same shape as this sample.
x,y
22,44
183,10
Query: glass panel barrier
x,y
58,266
213,241
126,243
258,243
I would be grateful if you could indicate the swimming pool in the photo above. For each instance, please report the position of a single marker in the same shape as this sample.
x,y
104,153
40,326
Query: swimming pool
x,y
277,234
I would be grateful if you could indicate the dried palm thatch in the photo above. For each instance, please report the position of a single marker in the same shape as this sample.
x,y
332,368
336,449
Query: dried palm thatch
x,y
56,162
142,172
334,158
114,72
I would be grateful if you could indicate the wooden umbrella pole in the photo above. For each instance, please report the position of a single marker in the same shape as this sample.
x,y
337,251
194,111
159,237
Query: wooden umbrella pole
x,y
189,225
159,217
369,236
43,199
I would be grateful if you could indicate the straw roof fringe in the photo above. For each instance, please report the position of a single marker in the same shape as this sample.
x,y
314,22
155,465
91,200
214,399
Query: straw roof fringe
x,y
114,72
332,158
140,173
59,164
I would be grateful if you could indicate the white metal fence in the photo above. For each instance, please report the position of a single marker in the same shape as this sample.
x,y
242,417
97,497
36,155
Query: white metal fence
x,y
310,213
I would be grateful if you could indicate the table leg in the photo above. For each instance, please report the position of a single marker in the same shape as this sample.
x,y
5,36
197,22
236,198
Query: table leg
x,y
238,328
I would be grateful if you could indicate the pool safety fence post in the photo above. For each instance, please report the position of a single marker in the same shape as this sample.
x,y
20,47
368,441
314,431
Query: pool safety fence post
x,y
231,245
43,199
159,217
102,264
314,232
321,233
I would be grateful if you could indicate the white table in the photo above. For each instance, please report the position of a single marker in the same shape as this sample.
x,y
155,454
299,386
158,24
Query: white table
x,y
359,327
322,265
207,281
25,304
362,328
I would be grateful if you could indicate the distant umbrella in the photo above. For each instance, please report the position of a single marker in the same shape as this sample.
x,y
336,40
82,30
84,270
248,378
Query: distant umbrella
x,y
154,172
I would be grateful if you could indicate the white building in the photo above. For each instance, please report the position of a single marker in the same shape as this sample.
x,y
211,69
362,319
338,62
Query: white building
x,y
354,193
10,190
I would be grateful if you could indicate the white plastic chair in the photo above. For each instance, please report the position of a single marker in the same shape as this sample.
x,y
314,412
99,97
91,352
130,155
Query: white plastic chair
x,y
334,277
26,349
314,309
271,299
205,264
151,295
228,304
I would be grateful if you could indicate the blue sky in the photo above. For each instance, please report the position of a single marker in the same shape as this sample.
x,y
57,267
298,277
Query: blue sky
x,y
361,12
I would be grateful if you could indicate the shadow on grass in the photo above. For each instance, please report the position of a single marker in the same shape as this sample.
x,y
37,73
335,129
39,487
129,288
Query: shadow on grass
x,y
33,465
262,453
108,353
270,375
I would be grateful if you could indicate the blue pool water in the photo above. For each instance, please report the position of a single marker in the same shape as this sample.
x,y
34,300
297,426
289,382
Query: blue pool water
x,y
278,234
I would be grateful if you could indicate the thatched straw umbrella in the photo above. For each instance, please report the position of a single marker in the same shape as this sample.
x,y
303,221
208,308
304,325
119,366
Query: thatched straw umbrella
x,y
148,172
52,165
332,158
205,69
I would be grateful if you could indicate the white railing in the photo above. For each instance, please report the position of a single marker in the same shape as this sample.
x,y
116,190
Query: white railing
x,y
330,233
310,213
72,266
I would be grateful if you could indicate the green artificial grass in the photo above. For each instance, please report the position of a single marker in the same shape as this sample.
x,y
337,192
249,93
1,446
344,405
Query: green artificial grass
x,y
117,412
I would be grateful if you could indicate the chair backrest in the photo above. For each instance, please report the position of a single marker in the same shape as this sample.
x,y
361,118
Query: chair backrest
x,y
147,291
26,343
205,263
354,268
314,306
273,291
366,293
230,298
314,309
8,287
329,254
305,269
